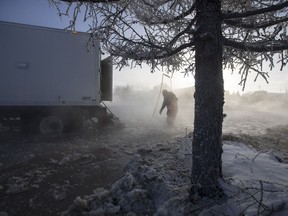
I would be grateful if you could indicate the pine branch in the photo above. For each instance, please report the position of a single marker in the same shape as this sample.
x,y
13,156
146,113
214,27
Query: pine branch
x,y
272,46
237,23
255,12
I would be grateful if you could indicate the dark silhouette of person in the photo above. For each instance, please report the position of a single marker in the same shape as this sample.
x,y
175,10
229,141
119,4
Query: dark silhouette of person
x,y
170,101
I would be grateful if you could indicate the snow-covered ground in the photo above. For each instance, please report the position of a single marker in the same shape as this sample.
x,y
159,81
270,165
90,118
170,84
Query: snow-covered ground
x,y
157,179
157,182
145,168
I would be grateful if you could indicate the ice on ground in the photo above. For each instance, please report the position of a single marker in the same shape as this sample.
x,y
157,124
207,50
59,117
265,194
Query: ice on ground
x,y
157,182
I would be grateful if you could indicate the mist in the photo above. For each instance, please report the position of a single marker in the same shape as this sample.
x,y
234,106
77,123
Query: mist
x,y
254,112
250,113
70,166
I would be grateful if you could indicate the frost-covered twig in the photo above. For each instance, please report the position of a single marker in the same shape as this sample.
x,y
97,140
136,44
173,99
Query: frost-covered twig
x,y
247,197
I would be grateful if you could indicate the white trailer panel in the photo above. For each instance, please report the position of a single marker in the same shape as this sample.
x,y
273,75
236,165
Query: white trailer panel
x,y
45,66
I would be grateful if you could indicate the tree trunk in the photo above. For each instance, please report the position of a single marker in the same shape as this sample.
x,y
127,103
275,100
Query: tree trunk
x,y
209,100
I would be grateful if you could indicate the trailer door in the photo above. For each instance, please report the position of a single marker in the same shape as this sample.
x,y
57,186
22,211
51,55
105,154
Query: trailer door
x,y
106,80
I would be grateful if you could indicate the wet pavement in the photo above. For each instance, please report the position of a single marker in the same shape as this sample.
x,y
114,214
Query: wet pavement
x,y
43,174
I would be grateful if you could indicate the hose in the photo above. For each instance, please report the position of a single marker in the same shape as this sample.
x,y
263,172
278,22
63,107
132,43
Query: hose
x,y
161,86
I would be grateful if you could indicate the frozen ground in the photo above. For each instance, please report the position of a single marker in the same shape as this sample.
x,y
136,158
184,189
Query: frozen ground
x,y
145,167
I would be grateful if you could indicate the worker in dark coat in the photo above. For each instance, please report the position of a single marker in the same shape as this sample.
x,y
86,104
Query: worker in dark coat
x,y
170,101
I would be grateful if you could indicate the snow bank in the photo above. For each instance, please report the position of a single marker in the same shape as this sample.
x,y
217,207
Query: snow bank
x,y
157,182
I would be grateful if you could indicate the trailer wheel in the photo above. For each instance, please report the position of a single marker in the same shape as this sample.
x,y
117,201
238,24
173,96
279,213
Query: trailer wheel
x,y
51,124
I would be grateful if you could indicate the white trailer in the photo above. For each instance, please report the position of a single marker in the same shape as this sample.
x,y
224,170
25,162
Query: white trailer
x,y
51,79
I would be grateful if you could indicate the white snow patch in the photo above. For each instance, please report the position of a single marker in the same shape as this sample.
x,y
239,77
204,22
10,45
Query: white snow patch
x,y
157,182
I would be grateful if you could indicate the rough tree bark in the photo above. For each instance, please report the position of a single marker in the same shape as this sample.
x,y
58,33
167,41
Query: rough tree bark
x,y
209,100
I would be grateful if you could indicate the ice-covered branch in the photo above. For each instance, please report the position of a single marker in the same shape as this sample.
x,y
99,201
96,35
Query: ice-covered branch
x,y
176,18
277,45
241,24
271,8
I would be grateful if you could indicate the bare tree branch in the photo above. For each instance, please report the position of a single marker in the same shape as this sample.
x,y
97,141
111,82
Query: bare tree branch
x,y
255,12
156,32
156,54
181,16
257,47
238,23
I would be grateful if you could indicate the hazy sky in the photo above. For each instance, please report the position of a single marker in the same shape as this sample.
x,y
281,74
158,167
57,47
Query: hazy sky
x,y
38,12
